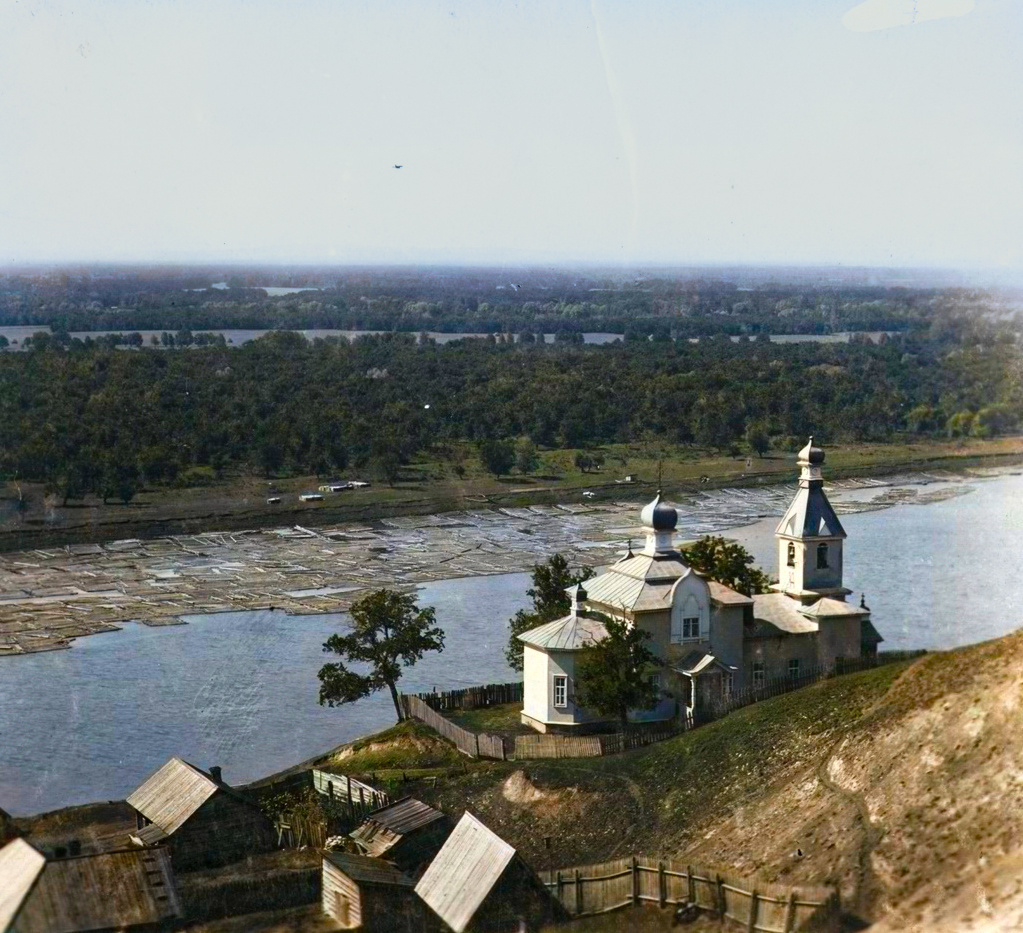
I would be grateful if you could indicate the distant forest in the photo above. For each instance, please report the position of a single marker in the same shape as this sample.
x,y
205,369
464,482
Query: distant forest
x,y
90,418
470,301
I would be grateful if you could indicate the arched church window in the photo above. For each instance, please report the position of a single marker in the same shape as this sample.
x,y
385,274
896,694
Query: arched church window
x,y
822,556
792,555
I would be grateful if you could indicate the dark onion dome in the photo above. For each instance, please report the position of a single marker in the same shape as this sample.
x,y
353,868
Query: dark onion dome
x,y
811,454
659,515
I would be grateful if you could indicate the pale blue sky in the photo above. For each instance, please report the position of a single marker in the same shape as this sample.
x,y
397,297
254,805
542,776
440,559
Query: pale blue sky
x,y
688,131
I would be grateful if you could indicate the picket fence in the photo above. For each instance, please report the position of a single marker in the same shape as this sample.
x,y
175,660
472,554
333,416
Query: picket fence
x,y
474,697
759,907
473,744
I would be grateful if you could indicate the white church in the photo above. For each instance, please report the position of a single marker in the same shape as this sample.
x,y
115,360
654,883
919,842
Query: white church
x,y
711,639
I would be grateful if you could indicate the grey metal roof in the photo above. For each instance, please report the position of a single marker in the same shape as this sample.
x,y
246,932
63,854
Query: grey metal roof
x,y
638,583
464,872
108,891
810,515
173,794
697,661
20,866
570,633
782,612
826,607
367,869
868,633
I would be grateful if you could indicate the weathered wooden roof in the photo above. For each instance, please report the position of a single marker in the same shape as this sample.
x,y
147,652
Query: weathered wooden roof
x,y
112,890
464,872
385,827
367,869
173,794
20,866
726,596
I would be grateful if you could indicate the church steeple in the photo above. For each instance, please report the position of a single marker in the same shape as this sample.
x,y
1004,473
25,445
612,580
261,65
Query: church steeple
x,y
810,537
659,520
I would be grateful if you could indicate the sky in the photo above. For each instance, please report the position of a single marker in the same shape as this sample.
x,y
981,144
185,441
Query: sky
x,y
884,133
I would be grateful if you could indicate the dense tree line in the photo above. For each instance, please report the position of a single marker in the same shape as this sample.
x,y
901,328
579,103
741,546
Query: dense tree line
x,y
95,418
471,301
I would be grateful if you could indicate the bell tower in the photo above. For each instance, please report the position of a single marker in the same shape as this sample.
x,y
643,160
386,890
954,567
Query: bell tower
x,y
810,537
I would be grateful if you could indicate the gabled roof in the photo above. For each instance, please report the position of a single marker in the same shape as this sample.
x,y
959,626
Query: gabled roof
x,y
367,869
109,891
570,633
464,872
385,827
173,794
810,515
697,661
20,866
869,634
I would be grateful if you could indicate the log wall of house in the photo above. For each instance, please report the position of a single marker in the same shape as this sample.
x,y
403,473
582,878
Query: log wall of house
x,y
221,831
339,890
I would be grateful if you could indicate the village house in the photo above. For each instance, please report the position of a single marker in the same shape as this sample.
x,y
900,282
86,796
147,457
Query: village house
x,y
203,822
370,894
406,832
478,882
710,639
126,890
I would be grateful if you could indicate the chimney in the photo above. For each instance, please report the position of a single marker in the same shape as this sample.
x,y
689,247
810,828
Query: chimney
x,y
215,773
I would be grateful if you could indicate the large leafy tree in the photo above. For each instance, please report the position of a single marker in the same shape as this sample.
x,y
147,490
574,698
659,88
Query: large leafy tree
x,y
613,675
728,563
550,580
389,633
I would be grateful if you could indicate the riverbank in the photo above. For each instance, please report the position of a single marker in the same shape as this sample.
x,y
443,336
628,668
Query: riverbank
x,y
50,596
29,518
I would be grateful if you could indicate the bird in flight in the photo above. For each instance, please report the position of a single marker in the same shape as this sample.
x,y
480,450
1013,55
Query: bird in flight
x,y
397,166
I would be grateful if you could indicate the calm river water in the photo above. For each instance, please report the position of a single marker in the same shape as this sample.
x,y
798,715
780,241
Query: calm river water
x,y
239,689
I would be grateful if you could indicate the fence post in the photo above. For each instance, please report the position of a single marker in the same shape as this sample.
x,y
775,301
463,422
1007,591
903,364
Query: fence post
x,y
662,885
635,881
559,888
692,884
751,924
578,892
790,912
720,890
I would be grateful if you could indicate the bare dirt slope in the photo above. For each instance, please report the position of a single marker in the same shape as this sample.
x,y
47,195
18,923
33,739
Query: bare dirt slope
x,y
915,811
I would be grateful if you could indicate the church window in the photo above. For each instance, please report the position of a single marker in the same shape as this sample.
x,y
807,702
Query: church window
x,y
822,557
691,629
793,667
759,674
791,555
560,691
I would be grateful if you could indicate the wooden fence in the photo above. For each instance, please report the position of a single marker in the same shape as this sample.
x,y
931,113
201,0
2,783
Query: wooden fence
x,y
759,907
475,745
551,745
474,697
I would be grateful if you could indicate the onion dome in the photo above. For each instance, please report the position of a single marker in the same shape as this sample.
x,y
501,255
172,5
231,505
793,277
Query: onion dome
x,y
659,515
812,455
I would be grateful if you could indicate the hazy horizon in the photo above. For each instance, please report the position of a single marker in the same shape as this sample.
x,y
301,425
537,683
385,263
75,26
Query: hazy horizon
x,y
582,134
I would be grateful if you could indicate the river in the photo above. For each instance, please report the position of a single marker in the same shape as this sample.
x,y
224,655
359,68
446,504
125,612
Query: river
x,y
239,689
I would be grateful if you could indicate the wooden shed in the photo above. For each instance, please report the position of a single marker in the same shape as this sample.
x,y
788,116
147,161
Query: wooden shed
x,y
407,832
204,822
371,894
479,883
127,890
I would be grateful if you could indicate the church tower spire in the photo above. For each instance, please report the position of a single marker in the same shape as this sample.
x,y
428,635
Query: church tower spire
x,y
810,537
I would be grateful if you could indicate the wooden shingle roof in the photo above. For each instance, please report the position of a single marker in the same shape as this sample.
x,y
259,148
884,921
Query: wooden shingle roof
x,y
109,891
464,872
173,794
367,869
386,826
20,866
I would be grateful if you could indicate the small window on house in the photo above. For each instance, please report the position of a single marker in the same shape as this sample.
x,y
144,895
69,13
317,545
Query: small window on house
x,y
791,555
560,691
691,629
822,556
794,667
759,674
